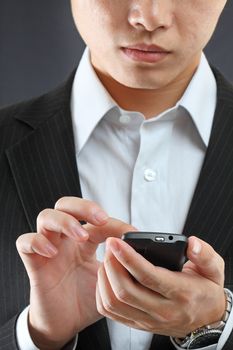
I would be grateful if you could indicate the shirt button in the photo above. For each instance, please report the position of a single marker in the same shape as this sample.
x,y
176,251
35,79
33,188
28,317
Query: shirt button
x,y
149,175
124,119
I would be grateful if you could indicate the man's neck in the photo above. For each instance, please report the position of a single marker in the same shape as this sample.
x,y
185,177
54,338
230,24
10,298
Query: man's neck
x,y
148,101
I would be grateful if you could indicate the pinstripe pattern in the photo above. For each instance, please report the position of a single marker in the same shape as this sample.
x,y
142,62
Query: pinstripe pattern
x,y
95,337
38,166
7,335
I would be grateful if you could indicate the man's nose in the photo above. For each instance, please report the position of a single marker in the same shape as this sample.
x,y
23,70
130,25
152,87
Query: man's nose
x,y
151,14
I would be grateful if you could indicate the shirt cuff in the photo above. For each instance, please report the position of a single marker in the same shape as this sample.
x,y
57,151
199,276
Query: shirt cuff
x,y
23,336
227,329
224,336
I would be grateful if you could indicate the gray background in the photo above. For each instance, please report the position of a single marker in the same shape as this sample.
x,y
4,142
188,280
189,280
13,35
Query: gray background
x,y
39,46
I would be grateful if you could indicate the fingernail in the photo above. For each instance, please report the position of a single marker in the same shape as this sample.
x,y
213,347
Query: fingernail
x,y
101,216
107,246
51,249
196,248
113,246
79,232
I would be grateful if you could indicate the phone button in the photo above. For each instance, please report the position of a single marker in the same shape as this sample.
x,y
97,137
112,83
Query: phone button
x,y
159,239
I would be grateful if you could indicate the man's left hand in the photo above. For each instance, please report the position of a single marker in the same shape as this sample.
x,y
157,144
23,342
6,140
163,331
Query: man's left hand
x,y
138,294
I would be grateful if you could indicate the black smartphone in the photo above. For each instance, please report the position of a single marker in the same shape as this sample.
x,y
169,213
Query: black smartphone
x,y
162,249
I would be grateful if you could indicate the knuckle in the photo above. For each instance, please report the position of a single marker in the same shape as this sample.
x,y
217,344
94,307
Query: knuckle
x,y
92,208
123,295
101,309
168,315
60,202
67,204
214,260
177,318
183,296
148,326
221,263
19,242
217,264
25,242
43,215
148,281
109,304
186,315
188,320
207,260
19,239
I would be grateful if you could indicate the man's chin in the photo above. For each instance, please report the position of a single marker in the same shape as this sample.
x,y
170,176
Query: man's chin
x,y
143,84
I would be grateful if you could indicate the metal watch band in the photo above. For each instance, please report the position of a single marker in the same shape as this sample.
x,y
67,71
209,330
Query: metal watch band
x,y
209,334
202,338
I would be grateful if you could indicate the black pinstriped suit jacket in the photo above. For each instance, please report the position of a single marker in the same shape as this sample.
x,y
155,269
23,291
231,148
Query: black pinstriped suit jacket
x,y
38,166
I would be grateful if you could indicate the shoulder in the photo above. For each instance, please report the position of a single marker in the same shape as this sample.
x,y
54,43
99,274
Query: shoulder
x,y
36,110
19,120
224,87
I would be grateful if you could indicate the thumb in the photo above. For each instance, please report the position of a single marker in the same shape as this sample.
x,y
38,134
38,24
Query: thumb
x,y
207,261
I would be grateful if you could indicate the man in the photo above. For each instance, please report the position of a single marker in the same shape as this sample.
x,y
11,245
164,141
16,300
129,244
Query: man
x,y
142,131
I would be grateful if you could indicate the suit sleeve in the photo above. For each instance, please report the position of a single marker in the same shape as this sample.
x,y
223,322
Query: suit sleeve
x,y
8,335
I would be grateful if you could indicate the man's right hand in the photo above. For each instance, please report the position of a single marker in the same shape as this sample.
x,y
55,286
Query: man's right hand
x,y
61,264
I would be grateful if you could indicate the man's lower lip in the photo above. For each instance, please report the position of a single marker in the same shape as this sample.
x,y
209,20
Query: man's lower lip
x,y
144,56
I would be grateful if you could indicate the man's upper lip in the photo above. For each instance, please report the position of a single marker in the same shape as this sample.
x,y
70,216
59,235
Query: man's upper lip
x,y
145,47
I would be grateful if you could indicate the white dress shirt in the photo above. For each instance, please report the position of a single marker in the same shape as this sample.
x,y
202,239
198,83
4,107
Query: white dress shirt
x,y
143,172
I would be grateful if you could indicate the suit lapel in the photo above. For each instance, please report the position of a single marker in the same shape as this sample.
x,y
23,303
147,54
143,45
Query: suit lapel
x,y
43,163
211,212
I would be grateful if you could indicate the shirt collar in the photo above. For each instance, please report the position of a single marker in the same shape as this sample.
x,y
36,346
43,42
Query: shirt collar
x,y
200,99
90,101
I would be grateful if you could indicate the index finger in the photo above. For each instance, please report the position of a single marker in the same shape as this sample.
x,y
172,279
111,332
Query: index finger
x,y
112,228
82,209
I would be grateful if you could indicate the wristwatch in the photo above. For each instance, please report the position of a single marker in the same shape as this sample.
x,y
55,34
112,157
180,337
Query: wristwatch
x,y
207,335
